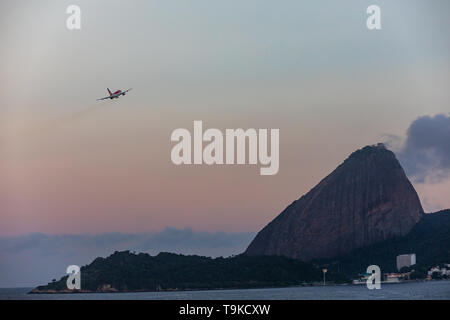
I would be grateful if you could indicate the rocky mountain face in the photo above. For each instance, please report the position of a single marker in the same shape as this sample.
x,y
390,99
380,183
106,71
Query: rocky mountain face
x,y
367,199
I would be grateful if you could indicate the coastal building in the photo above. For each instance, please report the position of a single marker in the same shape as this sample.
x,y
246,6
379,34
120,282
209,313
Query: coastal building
x,y
387,278
406,260
392,277
442,271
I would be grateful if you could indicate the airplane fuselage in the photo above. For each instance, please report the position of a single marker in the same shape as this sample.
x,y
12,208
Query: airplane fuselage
x,y
115,94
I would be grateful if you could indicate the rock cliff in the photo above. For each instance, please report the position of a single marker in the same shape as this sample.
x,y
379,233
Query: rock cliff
x,y
367,199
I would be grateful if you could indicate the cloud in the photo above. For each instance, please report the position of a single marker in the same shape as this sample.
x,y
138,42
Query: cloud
x,y
425,154
37,258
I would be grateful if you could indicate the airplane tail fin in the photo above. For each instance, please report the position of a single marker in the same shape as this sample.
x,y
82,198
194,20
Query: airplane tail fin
x,y
110,93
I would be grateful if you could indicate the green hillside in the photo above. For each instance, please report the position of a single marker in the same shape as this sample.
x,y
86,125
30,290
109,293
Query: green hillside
x,y
429,240
125,271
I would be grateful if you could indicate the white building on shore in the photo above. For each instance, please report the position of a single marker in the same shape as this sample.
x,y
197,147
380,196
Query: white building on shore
x,y
406,260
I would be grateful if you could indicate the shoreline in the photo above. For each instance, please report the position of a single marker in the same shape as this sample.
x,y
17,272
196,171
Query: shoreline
x,y
51,292
66,291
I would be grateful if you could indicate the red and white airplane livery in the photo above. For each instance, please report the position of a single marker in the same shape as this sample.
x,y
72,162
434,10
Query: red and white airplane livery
x,y
113,95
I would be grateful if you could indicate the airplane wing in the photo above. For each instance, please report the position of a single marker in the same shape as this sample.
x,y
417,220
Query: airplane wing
x,y
103,98
128,90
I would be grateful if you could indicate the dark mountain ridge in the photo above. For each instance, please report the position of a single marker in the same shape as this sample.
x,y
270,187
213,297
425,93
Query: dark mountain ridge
x,y
125,271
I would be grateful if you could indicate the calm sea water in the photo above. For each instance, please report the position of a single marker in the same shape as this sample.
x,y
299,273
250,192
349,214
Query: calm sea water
x,y
417,290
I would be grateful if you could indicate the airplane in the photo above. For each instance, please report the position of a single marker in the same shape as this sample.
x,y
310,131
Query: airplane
x,y
113,95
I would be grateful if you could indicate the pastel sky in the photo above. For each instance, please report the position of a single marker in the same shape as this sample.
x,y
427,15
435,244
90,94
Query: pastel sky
x,y
70,164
